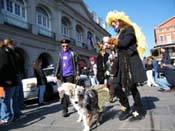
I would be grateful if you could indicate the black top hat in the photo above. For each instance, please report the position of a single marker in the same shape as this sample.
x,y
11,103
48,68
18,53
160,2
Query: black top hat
x,y
65,41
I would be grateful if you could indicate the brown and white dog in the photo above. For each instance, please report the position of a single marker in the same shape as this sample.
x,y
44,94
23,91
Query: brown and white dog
x,y
85,101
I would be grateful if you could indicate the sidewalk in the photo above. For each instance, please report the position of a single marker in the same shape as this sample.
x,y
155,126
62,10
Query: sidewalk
x,y
159,106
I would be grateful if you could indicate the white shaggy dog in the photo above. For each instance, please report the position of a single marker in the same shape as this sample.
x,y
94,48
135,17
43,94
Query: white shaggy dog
x,y
85,101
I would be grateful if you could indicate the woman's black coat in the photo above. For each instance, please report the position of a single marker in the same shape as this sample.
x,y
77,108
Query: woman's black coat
x,y
127,51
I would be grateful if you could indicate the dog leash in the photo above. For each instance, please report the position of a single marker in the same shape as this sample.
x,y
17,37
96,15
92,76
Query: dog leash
x,y
76,83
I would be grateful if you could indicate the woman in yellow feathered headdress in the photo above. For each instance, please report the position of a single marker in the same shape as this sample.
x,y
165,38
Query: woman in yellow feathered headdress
x,y
131,70
141,41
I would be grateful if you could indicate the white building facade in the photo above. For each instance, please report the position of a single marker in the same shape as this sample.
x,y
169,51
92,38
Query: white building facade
x,y
37,26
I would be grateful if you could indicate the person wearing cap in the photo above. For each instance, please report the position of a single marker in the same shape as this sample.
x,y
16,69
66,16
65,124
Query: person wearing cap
x,y
67,70
130,45
93,71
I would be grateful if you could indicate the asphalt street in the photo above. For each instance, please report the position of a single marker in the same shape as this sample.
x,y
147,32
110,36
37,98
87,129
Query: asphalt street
x,y
159,107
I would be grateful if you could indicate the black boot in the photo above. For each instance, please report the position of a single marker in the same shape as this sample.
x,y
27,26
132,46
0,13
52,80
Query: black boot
x,y
65,113
136,116
125,114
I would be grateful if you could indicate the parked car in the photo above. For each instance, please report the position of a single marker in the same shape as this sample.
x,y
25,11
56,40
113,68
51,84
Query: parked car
x,y
30,88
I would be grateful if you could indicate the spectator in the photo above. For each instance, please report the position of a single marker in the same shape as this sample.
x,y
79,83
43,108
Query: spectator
x,y
84,77
165,57
10,106
93,71
2,95
168,82
41,80
101,60
149,72
155,69
113,64
67,70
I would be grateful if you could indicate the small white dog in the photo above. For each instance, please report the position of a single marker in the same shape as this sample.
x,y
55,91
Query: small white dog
x,y
85,101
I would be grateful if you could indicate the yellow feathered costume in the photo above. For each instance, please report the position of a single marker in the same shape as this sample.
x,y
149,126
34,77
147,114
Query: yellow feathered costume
x,y
141,41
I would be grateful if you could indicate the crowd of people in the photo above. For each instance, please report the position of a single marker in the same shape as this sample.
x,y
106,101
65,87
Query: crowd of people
x,y
160,72
118,66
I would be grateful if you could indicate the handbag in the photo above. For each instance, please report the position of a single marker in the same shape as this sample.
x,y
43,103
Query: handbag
x,y
2,93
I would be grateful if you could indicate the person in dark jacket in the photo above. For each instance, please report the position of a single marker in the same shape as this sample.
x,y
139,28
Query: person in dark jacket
x,y
169,74
41,80
130,67
101,60
8,79
168,83
165,56
67,70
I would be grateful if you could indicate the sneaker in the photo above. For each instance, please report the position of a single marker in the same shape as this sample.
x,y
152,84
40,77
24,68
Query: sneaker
x,y
125,114
167,90
161,90
6,121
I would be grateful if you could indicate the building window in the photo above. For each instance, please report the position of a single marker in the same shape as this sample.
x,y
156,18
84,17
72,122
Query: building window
x,y
167,29
43,19
23,12
65,29
168,38
14,7
9,6
160,30
17,9
90,41
39,20
161,40
79,30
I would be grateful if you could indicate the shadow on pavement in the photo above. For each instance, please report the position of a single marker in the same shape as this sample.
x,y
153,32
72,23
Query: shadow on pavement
x,y
33,116
108,114
148,103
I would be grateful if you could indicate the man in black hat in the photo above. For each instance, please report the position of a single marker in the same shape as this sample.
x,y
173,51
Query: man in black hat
x,y
67,70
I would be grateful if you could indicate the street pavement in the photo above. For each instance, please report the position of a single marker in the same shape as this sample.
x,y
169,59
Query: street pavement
x,y
159,107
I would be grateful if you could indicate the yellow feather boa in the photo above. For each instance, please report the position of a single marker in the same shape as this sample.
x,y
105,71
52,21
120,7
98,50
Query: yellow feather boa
x,y
141,40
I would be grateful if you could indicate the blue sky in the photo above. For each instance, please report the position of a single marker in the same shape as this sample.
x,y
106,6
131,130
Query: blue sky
x,y
146,13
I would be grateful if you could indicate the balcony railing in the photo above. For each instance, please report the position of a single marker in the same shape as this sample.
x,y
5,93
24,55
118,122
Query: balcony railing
x,y
12,20
170,47
44,32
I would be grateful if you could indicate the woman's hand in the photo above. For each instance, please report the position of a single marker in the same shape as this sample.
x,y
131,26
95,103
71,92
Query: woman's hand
x,y
105,39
